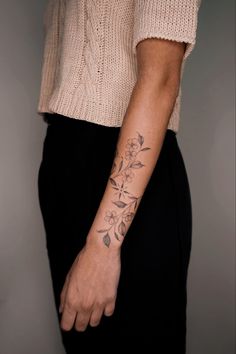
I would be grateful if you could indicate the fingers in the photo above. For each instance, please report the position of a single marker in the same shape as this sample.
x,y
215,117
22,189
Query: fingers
x,y
84,316
68,316
81,314
109,309
92,316
96,316
63,294
88,315
82,320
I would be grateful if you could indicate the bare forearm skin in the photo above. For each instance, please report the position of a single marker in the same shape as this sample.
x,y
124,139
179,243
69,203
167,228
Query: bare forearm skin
x,y
139,143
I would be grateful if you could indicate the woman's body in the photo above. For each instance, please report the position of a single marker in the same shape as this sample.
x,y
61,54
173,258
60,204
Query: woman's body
x,y
133,191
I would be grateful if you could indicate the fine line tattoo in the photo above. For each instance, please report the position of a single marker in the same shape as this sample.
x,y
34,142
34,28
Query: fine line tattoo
x,y
121,176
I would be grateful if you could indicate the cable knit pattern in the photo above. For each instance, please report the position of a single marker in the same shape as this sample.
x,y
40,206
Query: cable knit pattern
x,y
92,50
89,64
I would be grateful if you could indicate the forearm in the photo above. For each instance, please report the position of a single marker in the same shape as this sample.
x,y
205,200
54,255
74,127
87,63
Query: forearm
x,y
138,147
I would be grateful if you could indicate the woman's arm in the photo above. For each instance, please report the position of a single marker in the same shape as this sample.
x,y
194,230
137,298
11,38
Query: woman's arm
x,y
140,140
91,285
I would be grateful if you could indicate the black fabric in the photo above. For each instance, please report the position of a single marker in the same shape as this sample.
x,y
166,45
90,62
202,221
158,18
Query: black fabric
x,y
152,297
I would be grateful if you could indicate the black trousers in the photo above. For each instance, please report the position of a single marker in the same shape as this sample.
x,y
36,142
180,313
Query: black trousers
x,y
152,298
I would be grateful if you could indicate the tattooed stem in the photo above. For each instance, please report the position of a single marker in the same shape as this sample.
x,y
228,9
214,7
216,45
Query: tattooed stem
x,y
124,169
120,177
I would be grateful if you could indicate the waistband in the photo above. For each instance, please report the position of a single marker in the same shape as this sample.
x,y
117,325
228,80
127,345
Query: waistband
x,y
57,119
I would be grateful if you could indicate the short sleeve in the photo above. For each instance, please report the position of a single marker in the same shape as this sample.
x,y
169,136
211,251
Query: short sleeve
x,y
167,19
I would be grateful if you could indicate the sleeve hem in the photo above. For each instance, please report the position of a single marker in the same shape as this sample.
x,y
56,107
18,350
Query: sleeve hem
x,y
190,42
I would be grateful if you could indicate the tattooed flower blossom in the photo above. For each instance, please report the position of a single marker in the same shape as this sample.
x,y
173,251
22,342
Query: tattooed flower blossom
x,y
132,144
130,154
121,190
128,175
128,217
111,217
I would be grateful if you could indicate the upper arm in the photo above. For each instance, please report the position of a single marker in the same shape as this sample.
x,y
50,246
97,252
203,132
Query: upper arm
x,y
159,61
173,20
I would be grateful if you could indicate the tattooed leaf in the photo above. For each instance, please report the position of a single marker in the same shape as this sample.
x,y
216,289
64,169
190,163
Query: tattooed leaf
x,y
145,149
107,240
103,230
133,198
140,139
120,166
120,204
122,228
136,164
117,236
113,167
113,182
129,216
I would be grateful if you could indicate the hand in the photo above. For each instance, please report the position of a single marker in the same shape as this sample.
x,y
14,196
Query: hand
x,y
90,288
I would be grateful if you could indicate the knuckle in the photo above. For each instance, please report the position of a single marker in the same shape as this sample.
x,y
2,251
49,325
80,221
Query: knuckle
x,y
70,305
71,300
94,322
85,306
100,304
110,299
65,326
109,312
80,327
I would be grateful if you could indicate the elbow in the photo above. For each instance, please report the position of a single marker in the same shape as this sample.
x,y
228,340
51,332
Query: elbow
x,y
164,82
159,65
171,85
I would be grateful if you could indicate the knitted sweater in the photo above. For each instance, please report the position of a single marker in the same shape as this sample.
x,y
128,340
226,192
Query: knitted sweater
x,y
89,66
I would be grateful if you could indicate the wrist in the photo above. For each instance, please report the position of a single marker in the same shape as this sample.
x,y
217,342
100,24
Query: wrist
x,y
98,241
101,234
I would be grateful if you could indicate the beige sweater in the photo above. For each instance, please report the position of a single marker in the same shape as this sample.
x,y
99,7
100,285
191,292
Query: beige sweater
x,y
89,63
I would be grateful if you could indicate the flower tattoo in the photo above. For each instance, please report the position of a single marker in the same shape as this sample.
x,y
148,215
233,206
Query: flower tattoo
x,y
122,174
128,175
111,217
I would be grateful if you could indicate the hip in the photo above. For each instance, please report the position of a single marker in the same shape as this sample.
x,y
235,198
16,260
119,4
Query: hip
x,y
89,148
76,163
